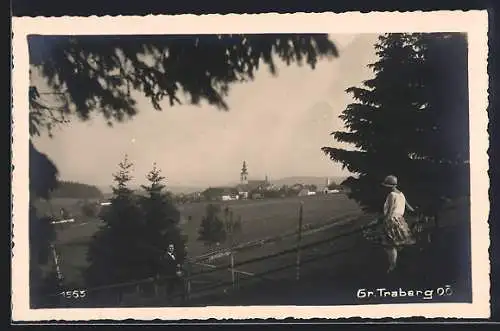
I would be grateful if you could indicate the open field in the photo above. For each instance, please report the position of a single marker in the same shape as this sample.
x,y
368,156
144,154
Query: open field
x,y
331,272
260,219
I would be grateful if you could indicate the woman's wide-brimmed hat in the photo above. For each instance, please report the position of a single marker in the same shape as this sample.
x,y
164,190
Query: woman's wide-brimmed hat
x,y
390,181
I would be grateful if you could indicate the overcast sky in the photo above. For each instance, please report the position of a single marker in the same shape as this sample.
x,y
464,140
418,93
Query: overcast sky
x,y
277,124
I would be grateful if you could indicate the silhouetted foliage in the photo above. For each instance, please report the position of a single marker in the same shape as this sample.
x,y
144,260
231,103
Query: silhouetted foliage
x,y
42,181
88,73
42,174
42,116
115,254
410,120
67,189
41,235
161,223
212,228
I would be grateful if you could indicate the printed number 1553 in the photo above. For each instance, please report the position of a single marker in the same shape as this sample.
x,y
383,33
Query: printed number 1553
x,y
76,294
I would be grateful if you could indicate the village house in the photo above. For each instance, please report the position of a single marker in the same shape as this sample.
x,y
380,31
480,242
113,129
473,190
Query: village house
x,y
306,192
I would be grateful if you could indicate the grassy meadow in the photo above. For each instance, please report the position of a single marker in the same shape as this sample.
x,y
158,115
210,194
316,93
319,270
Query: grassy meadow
x,y
260,219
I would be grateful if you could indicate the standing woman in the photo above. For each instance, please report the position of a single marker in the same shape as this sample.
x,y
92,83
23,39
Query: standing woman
x,y
393,231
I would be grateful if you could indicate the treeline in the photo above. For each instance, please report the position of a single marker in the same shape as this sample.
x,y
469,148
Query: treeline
x,y
68,189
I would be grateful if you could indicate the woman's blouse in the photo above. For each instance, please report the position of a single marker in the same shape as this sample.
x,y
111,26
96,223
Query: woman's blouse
x,y
395,204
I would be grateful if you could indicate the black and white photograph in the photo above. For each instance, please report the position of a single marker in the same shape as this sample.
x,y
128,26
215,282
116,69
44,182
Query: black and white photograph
x,y
255,166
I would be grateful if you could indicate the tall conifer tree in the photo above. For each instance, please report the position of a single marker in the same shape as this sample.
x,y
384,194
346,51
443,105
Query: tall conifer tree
x,y
161,222
410,120
116,254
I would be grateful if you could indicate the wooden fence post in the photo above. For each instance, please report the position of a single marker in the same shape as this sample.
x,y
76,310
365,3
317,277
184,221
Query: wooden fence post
x,y
233,279
299,239
188,288
56,262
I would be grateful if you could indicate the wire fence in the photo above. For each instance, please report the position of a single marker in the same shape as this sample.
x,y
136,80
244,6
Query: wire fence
x,y
209,279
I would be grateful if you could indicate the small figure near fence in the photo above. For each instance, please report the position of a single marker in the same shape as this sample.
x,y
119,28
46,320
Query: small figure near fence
x,y
392,230
172,271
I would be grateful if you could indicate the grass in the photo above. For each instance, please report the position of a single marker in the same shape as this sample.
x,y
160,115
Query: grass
x,y
260,219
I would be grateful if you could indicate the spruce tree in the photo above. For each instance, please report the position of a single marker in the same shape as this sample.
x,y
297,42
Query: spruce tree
x,y
161,223
410,120
212,228
115,255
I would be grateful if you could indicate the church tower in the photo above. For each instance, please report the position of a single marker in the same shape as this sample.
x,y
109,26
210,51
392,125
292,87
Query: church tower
x,y
244,174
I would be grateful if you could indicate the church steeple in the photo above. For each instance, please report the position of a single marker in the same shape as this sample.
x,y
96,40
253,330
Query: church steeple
x,y
244,174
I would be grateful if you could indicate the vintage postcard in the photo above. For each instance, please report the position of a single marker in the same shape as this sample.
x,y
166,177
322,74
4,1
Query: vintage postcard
x,y
250,166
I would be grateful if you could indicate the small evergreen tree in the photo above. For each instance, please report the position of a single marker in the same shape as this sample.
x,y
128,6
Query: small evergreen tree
x,y
161,223
115,255
212,229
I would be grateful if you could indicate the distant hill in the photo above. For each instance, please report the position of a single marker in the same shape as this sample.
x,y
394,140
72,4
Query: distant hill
x,y
306,180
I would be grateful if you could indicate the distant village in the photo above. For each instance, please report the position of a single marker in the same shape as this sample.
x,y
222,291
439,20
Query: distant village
x,y
91,200
258,189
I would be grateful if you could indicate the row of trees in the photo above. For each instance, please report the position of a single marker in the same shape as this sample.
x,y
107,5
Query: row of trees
x,y
136,233
75,190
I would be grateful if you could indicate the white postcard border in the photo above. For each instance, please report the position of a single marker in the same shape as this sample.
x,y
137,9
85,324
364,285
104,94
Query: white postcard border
x,y
473,22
